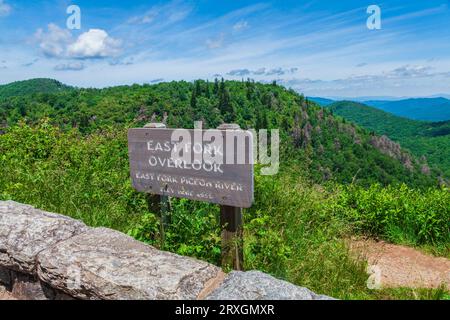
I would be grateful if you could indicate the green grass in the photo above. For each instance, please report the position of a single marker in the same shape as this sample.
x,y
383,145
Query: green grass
x,y
399,215
411,294
295,231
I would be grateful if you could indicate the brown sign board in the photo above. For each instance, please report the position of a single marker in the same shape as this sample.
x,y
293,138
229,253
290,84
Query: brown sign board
x,y
207,165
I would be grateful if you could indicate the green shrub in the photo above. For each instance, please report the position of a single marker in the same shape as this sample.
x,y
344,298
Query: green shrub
x,y
398,214
296,230
193,230
85,177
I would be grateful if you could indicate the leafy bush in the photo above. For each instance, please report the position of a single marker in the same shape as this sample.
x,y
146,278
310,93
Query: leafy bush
x,y
291,234
398,214
193,230
85,177
296,230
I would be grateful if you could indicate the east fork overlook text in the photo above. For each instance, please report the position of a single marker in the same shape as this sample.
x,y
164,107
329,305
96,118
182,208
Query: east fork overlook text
x,y
207,157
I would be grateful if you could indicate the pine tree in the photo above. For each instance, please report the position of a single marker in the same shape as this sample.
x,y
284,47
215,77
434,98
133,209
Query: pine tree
x,y
221,87
198,88
194,96
207,91
225,105
224,102
216,86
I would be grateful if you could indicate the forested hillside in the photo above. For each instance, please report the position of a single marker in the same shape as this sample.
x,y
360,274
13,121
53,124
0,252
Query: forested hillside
x,y
426,140
66,151
328,148
31,86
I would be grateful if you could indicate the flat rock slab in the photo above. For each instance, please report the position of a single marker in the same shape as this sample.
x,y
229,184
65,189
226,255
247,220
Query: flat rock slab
x,y
106,264
255,285
26,231
5,295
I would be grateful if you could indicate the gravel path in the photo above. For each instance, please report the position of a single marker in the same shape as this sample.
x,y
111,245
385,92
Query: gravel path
x,y
401,266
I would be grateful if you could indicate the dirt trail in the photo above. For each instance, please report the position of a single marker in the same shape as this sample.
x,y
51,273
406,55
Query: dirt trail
x,y
6,296
401,266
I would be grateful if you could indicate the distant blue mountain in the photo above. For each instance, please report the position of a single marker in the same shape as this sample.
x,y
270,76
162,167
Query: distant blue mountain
x,y
428,109
425,109
323,102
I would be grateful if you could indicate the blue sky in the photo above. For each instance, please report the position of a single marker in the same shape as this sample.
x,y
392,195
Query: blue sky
x,y
322,48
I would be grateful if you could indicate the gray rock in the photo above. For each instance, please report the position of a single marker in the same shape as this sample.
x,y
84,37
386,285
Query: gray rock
x,y
106,264
25,231
27,287
255,285
5,278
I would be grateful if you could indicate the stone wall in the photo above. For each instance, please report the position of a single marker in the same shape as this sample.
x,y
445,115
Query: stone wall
x,y
49,256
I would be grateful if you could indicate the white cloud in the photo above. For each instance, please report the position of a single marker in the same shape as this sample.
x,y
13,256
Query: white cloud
x,y
59,43
415,80
215,43
29,64
53,42
410,71
122,62
146,18
171,12
263,72
239,72
241,25
179,15
70,66
95,43
5,9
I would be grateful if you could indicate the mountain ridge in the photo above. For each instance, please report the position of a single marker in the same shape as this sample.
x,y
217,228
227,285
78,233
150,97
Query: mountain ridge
x,y
433,109
422,138
31,86
326,147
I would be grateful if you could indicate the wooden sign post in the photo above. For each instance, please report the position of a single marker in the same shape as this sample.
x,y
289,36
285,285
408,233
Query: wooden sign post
x,y
231,222
156,203
207,165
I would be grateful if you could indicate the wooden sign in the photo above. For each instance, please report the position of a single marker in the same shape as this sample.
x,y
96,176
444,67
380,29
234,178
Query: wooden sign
x,y
208,165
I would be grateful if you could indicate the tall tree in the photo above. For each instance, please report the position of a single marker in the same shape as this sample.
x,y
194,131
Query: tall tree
x,y
216,86
194,98
207,91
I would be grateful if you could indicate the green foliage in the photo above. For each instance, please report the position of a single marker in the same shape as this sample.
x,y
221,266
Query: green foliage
x,y
82,176
398,214
429,141
29,87
440,293
290,234
75,162
295,230
330,148
193,230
